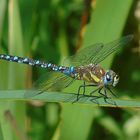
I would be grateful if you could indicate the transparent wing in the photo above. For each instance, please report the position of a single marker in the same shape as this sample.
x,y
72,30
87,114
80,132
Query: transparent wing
x,y
51,81
111,47
97,52
84,56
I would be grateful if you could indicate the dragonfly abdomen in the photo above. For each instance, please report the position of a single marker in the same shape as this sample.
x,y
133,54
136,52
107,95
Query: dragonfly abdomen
x,y
23,60
69,71
29,61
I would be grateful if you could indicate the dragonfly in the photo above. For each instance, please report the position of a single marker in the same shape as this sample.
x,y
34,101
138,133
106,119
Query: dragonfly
x,y
84,66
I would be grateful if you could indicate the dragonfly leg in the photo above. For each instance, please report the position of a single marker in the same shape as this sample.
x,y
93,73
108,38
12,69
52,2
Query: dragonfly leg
x,y
112,92
79,89
81,86
78,93
94,100
103,95
84,86
91,93
99,91
106,97
95,97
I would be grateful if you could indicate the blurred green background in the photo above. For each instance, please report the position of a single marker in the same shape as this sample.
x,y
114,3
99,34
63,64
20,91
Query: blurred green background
x,y
51,31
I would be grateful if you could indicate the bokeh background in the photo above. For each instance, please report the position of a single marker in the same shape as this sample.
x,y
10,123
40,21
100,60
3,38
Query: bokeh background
x,y
51,31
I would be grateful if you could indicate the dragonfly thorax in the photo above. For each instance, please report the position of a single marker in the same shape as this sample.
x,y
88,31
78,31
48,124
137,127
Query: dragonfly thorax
x,y
110,78
91,73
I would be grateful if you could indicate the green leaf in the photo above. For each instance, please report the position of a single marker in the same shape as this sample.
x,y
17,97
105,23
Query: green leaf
x,y
1,136
18,95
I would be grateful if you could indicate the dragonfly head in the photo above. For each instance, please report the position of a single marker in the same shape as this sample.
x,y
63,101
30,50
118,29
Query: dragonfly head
x,y
110,78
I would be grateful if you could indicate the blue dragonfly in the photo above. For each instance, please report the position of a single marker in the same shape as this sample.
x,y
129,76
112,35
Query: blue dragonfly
x,y
84,66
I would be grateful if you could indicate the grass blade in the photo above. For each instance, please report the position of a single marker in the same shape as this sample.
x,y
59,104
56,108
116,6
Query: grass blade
x,y
18,95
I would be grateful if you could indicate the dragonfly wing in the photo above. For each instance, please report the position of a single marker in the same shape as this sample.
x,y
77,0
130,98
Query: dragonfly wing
x,y
51,81
110,48
84,56
97,52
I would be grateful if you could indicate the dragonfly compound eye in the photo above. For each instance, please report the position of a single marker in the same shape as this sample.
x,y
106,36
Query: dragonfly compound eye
x,y
108,78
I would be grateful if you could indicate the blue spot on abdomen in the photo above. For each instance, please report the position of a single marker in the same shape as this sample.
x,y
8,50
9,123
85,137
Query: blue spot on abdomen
x,y
72,70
